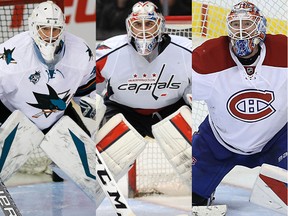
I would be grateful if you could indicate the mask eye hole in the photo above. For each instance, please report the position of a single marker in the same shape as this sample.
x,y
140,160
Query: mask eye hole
x,y
49,34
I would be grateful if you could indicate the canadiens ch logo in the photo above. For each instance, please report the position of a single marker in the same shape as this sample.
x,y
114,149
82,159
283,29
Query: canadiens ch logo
x,y
251,105
7,56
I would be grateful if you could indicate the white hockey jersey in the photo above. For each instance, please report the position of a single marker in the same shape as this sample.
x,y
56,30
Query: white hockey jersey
x,y
245,112
42,93
137,83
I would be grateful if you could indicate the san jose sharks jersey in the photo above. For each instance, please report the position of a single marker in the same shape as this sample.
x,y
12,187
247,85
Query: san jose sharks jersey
x,y
42,93
137,83
247,104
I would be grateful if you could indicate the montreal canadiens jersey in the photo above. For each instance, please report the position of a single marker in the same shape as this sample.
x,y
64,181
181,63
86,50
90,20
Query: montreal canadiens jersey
x,y
245,111
137,83
42,93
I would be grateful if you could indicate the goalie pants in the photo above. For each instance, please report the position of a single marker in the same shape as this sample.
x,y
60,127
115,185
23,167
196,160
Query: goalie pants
x,y
142,123
70,111
212,161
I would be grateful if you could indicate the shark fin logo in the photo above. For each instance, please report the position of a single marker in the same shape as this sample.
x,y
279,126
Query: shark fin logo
x,y
7,56
89,51
51,102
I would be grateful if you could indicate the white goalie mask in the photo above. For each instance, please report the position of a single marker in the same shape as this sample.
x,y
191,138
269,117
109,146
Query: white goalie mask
x,y
145,27
46,26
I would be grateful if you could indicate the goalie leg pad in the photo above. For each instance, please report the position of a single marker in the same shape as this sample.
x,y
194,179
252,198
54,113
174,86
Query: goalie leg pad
x,y
18,137
73,151
119,144
270,189
174,135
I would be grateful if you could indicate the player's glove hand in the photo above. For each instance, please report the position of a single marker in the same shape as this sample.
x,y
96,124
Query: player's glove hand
x,y
88,107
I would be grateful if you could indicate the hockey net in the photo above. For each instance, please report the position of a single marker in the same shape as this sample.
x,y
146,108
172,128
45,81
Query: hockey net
x,y
152,173
14,20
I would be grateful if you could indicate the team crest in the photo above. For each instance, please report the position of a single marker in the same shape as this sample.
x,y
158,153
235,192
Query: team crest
x,y
34,78
7,56
251,105
51,102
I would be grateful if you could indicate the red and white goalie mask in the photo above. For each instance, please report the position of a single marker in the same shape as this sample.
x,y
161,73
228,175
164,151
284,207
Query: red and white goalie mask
x,y
246,28
145,27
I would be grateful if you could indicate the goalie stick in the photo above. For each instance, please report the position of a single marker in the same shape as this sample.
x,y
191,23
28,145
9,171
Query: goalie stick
x,y
66,141
110,188
7,204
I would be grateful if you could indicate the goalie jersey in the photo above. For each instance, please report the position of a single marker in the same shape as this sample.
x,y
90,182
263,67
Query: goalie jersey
x,y
40,91
137,83
245,111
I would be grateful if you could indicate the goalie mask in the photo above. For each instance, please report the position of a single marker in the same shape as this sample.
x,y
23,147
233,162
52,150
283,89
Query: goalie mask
x,y
46,26
145,27
246,28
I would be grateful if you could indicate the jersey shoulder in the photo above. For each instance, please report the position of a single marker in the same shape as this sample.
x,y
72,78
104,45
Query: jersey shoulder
x,y
276,50
212,56
77,46
16,49
110,45
181,42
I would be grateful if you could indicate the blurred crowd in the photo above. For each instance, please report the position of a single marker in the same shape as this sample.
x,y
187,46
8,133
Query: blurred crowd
x,y
111,14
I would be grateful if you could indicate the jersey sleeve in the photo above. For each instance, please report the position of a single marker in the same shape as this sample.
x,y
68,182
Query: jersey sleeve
x,y
87,84
103,51
186,45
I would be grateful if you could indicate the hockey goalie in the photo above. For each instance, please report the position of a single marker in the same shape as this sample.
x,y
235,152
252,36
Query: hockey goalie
x,y
147,75
243,79
41,71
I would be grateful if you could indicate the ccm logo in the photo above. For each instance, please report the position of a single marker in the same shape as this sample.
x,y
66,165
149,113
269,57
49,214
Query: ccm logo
x,y
6,205
251,105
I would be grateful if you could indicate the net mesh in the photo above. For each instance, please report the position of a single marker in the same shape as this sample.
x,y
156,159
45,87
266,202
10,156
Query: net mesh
x,y
13,19
209,17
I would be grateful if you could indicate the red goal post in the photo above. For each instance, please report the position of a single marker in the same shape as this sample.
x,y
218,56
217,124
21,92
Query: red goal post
x,y
179,25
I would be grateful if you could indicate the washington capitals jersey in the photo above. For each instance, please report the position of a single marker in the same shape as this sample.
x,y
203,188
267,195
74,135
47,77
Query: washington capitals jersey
x,y
42,93
247,104
137,83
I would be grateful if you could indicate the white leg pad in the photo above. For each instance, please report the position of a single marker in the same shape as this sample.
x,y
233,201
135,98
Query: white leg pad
x,y
18,137
73,151
119,144
270,189
174,135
